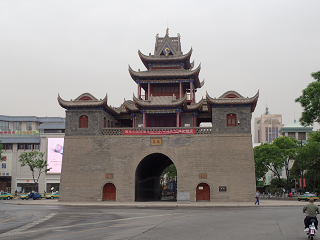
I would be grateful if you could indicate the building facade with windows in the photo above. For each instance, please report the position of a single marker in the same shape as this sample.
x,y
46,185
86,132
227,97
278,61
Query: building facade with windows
x,y
19,134
296,130
267,127
120,153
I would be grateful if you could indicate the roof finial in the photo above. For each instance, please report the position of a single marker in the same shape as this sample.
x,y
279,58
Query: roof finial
x,y
267,110
167,33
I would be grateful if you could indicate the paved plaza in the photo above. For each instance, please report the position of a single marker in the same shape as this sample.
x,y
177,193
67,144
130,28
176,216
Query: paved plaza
x,y
52,219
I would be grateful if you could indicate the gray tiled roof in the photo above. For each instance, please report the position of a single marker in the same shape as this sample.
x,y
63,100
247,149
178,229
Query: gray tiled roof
x,y
52,125
20,140
239,100
160,101
30,119
165,72
152,58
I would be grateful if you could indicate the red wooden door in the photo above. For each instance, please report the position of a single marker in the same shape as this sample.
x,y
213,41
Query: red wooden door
x,y
203,192
109,192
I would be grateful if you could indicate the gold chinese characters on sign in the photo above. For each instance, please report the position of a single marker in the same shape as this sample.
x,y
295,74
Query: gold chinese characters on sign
x,y
109,175
202,175
156,142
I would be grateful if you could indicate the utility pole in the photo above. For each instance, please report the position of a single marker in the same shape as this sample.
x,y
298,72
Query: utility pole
x,y
295,184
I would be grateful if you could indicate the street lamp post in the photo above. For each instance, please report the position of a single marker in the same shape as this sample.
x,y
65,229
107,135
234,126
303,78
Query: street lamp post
x,y
295,184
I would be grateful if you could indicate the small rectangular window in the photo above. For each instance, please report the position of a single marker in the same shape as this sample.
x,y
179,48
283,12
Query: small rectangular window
x,y
9,146
267,134
21,146
291,134
4,126
176,89
16,126
163,89
36,146
29,126
301,136
172,89
29,146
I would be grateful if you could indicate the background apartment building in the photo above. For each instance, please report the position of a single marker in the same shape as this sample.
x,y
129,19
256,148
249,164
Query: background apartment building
x,y
267,127
19,134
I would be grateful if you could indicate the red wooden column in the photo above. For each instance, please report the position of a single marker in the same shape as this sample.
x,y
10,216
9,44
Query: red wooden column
x,y
133,120
194,121
149,89
180,90
177,125
144,120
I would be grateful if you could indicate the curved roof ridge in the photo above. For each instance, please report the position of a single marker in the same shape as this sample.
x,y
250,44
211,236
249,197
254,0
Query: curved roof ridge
x,y
196,106
86,95
156,101
234,101
83,103
231,92
152,58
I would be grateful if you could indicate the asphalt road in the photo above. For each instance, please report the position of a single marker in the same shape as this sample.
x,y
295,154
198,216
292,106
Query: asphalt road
x,y
111,223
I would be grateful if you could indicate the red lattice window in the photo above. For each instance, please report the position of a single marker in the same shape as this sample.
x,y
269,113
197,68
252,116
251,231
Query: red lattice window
x,y
104,122
231,120
83,121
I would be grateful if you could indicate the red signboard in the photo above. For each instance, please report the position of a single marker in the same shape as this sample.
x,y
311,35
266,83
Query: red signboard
x,y
302,181
160,132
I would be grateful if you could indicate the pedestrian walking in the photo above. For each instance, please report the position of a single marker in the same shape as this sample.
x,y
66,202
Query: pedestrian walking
x,y
257,197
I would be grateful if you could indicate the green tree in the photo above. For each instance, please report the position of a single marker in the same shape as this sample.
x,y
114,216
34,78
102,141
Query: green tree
x,y
310,101
267,156
171,170
34,160
288,150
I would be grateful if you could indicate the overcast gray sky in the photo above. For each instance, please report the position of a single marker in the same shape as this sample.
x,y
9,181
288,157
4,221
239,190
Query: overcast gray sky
x,y
72,47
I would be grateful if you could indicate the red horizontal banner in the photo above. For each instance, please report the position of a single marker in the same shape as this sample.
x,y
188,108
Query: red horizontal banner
x,y
160,132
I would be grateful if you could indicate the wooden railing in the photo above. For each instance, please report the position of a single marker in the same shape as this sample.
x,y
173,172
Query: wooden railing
x,y
119,131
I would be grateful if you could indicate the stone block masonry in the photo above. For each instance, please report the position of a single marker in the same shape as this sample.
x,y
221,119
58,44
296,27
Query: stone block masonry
x,y
226,159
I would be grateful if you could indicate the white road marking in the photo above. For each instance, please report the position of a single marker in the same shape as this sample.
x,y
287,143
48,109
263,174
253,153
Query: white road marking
x,y
18,230
27,226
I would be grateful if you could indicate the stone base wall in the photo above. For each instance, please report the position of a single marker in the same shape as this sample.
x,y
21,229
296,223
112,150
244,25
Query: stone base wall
x,y
227,160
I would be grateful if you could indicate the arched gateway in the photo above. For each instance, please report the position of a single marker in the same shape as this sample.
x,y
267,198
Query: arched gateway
x,y
147,177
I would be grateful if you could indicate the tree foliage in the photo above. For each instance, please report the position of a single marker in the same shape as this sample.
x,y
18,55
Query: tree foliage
x,y
310,102
171,170
307,162
34,160
274,157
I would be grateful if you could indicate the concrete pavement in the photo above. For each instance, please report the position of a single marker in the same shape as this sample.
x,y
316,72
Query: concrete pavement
x,y
263,203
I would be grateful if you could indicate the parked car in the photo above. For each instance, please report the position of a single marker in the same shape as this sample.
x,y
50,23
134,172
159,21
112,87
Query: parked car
x,y
5,195
53,195
23,197
34,196
307,196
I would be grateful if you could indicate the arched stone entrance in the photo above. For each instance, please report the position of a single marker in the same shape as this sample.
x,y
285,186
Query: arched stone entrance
x,y
109,192
147,177
203,192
